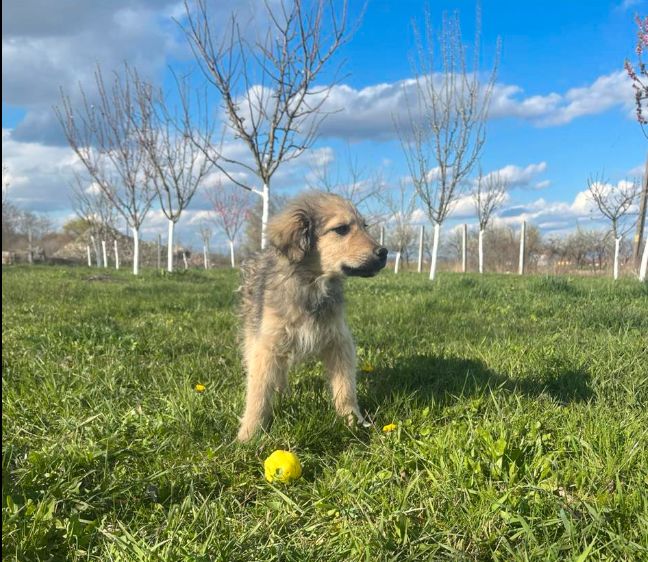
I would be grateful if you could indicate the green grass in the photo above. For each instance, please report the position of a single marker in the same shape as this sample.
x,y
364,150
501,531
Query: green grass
x,y
521,406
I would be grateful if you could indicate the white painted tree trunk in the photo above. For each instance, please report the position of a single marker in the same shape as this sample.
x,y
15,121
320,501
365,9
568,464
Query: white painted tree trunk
x,y
135,251
184,260
481,251
644,262
232,260
116,255
464,248
265,197
420,252
397,262
89,256
104,253
382,235
435,250
617,244
205,258
522,248
170,247
159,251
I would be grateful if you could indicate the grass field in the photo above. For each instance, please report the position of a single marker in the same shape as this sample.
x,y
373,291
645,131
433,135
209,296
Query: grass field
x,y
520,404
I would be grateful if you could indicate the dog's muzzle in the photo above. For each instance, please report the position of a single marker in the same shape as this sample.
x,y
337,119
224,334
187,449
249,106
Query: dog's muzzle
x,y
370,267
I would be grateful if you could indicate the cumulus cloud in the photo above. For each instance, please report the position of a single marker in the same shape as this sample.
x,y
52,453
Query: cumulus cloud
x,y
370,113
521,177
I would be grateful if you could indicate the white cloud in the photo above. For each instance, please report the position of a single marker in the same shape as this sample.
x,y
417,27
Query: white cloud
x,y
370,112
518,177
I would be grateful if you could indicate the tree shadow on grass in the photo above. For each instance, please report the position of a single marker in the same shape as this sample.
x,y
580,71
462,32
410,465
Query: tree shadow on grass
x,y
449,379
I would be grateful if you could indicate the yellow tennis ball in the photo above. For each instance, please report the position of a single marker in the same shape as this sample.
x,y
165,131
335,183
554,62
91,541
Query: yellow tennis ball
x,y
282,466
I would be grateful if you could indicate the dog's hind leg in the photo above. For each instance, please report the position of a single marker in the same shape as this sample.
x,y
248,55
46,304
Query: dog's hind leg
x,y
340,364
265,372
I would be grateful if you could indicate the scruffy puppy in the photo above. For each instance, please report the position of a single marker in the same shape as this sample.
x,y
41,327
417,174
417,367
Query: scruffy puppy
x,y
293,301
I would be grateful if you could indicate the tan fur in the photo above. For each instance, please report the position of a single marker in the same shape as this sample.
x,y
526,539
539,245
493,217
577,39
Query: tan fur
x,y
293,305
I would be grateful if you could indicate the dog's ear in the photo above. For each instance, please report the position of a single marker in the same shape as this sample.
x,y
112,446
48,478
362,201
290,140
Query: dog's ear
x,y
292,232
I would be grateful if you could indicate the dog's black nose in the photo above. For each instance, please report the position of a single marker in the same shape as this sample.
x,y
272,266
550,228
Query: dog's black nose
x,y
381,252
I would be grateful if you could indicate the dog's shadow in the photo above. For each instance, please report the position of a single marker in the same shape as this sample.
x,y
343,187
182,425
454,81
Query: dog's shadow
x,y
427,380
446,380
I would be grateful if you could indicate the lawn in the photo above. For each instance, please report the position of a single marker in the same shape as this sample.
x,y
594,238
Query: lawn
x,y
520,405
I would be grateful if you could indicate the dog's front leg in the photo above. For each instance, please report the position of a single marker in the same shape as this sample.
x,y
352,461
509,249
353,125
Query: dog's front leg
x,y
265,372
339,360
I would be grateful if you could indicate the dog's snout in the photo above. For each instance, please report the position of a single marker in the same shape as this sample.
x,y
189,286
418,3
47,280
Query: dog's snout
x,y
381,252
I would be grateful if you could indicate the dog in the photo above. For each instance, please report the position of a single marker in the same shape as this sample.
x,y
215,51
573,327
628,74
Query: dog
x,y
292,302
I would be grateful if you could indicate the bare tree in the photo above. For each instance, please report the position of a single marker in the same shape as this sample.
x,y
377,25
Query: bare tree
x,y
231,206
177,165
445,130
614,202
401,205
488,196
104,137
92,205
351,181
268,87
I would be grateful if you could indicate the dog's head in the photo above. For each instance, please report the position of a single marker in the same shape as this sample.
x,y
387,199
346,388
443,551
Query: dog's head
x,y
326,234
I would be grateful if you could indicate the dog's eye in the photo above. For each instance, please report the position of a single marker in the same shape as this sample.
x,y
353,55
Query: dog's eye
x,y
342,230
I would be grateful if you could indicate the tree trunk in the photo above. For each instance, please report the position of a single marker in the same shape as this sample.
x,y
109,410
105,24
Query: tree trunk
x,y
617,244
522,248
420,251
481,251
232,260
641,219
170,247
30,248
135,251
397,262
116,255
96,251
205,259
644,262
382,235
184,259
265,196
104,253
435,249
89,256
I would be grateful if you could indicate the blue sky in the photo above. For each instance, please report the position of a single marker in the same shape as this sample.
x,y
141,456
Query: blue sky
x,y
562,109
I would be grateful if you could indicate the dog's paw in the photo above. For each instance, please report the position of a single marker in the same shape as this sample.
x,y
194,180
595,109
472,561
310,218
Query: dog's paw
x,y
245,433
357,420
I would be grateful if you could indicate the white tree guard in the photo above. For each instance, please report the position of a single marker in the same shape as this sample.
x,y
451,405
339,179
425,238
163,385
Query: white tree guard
x,y
644,262
232,260
135,251
420,251
104,253
435,249
116,255
170,247
397,262
265,197
481,250
522,248
617,244
89,256
96,251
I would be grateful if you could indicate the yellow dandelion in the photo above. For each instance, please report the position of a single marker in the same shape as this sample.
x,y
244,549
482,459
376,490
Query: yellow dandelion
x,y
282,466
367,367
389,427
200,388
